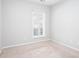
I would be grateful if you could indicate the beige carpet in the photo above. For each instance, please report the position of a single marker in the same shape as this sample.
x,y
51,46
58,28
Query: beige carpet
x,y
45,49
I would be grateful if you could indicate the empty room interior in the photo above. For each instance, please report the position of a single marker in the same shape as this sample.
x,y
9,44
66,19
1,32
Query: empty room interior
x,y
39,28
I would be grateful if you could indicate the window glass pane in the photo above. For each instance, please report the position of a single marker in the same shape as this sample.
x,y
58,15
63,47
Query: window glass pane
x,y
41,31
35,31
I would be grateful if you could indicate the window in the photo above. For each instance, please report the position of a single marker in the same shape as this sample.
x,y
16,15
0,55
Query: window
x,y
38,22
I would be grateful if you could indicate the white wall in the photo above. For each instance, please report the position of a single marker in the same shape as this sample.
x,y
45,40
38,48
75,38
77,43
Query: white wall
x,y
0,23
65,23
17,21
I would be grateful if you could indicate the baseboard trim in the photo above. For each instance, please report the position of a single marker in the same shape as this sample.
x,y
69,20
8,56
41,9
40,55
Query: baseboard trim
x,y
25,43
76,49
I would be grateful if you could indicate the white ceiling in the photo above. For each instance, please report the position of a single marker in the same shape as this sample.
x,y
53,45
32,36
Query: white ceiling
x,y
47,2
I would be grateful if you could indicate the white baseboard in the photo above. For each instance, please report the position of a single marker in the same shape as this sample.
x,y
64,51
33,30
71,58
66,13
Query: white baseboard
x,y
76,49
35,41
